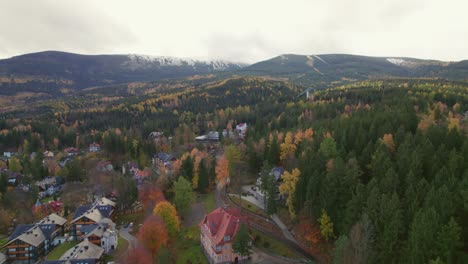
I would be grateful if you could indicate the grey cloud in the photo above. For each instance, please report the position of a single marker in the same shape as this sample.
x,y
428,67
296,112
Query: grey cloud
x,y
61,25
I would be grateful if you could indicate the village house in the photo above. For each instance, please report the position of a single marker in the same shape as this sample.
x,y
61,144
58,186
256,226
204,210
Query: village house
x,y
50,186
94,147
140,176
91,214
83,253
155,135
71,151
104,166
241,129
48,154
63,161
49,207
277,173
31,242
14,178
130,167
8,154
163,158
210,136
102,234
217,232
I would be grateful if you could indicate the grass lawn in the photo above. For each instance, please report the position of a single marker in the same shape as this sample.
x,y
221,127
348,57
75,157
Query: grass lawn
x,y
47,199
188,247
208,201
3,241
273,246
249,206
136,218
61,249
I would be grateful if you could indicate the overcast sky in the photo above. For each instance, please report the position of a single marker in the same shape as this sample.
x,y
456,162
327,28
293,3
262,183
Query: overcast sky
x,y
237,30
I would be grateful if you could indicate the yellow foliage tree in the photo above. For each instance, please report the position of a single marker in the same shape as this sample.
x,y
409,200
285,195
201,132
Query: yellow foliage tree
x,y
169,214
387,140
326,225
288,187
288,148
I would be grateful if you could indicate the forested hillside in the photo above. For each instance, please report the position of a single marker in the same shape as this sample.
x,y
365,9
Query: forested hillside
x,y
386,162
376,171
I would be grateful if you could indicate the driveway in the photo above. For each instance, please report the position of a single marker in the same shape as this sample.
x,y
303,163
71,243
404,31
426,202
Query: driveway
x,y
132,241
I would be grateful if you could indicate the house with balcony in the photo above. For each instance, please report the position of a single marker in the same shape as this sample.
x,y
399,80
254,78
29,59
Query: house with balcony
x,y
276,173
83,253
91,214
102,234
30,243
217,232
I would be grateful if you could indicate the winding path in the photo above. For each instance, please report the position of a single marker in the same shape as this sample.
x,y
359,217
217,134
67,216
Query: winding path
x,y
265,226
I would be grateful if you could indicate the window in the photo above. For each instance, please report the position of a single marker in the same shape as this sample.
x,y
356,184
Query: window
x,y
219,258
227,238
226,247
218,248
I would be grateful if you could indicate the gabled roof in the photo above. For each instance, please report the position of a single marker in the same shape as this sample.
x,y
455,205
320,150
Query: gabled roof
x,y
71,149
53,219
3,258
277,172
96,211
20,229
141,174
47,230
222,222
92,214
85,229
81,210
84,250
105,201
165,157
33,236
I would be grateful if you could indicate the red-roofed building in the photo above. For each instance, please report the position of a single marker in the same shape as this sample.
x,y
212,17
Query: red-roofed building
x,y
140,176
94,147
217,232
71,151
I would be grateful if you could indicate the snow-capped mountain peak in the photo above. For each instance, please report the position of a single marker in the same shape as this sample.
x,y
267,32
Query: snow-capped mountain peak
x,y
145,61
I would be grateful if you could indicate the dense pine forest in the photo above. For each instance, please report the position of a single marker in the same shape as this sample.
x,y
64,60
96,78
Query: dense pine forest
x,y
375,171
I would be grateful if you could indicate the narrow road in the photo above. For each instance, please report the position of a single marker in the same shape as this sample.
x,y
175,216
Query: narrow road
x,y
132,241
265,226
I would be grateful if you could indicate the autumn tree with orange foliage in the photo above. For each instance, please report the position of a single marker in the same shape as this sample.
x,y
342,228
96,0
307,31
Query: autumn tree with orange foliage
x,y
138,255
309,231
153,234
222,171
169,214
387,140
150,196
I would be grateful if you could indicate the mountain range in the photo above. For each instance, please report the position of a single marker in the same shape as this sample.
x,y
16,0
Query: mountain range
x,y
55,70
330,68
57,73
